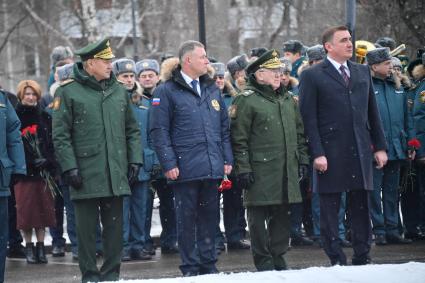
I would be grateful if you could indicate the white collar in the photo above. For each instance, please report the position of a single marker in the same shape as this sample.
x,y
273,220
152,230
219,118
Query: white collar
x,y
188,79
338,65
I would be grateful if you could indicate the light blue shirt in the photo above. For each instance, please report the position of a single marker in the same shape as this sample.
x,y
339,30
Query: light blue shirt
x,y
188,80
338,65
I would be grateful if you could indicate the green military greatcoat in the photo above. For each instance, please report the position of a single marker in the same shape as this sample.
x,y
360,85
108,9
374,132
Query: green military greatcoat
x,y
95,131
268,140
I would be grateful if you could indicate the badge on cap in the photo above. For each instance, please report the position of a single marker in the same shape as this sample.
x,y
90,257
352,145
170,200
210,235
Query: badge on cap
x,y
215,105
129,66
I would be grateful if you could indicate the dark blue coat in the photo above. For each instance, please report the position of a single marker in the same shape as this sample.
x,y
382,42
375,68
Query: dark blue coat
x,y
396,119
341,123
12,156
190,132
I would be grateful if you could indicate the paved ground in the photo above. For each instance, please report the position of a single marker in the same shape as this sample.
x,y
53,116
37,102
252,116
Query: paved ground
x,y
65,270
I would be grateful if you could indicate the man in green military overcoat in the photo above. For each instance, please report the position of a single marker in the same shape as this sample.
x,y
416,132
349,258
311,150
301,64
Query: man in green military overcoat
x,y
97,143
270,158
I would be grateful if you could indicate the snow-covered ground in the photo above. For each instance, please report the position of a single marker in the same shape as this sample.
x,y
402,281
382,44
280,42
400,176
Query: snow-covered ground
x,y
412,272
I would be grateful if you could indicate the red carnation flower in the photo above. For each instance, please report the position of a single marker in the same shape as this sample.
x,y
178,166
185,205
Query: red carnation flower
x,y
414,143
225,185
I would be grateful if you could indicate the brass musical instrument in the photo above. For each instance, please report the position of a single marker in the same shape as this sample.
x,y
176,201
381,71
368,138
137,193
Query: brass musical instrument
x,y
362,48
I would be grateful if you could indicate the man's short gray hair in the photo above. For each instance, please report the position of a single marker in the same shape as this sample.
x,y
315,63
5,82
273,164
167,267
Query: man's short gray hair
x,y
187,47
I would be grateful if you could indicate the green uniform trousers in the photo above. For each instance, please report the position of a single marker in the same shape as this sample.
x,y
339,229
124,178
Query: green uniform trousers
x,y
269,230
86,217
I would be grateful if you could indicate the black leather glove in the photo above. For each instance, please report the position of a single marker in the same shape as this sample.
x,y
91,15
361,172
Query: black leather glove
x,y
40,162
303,173
156,171
133,173
245,179
73,178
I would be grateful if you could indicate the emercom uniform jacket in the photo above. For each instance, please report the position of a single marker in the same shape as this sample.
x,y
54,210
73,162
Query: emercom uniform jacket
x,y
268,140
188,131
12,156
396,119
94,130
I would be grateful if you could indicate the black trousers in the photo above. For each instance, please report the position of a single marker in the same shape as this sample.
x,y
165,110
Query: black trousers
x,y
361,230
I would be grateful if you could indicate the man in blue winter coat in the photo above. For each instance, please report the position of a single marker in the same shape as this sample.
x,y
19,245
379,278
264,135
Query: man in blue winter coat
x,y
190,132
12,161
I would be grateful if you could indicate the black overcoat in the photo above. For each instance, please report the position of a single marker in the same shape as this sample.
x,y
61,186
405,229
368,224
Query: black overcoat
x,y
341,123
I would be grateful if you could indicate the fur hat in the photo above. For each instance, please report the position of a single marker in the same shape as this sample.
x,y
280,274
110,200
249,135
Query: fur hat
x,y
237,63
219,69
257,52
396,62
316,53
286,64
60,53
293,46
378,55
147,65
28,83
123,65
386,42
65,71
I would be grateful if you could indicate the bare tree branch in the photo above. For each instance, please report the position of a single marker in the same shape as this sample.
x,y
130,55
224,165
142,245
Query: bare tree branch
x,y
46,25
6,38
284,21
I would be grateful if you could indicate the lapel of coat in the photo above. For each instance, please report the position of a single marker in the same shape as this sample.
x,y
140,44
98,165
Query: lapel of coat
x,y
330,70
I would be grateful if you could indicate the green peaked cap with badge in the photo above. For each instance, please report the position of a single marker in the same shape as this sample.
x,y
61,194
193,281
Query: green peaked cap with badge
x,y
269,60
100,49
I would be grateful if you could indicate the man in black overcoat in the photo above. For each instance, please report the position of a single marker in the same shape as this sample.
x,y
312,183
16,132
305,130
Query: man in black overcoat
x,y
345,139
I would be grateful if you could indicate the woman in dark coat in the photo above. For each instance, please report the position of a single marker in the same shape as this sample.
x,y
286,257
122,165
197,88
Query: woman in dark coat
x,y
34,201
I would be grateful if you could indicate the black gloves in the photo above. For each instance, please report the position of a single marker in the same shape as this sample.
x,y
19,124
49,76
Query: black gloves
x,y
73,178
303,172
40,162
244,179
133,173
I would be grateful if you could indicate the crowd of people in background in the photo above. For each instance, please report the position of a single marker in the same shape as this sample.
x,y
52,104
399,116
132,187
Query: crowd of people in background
x,y
109,135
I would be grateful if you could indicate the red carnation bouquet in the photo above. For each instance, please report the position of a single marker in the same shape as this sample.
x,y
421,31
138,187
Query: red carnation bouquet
x,y
225,185
408,174
29,134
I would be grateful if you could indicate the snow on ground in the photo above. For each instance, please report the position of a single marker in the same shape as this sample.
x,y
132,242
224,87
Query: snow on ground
x,y
412,272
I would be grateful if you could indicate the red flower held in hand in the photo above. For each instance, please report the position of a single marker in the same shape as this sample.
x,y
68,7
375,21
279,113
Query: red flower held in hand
x,y
33,129
414,143
225,185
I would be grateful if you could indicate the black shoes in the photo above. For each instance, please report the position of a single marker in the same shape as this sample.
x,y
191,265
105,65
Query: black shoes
x,y
345,243
169,250
239,245
397,239
125,256
58,251
149,250
361,260
40,253
16,251
301,241
380,240
30,253
140,255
